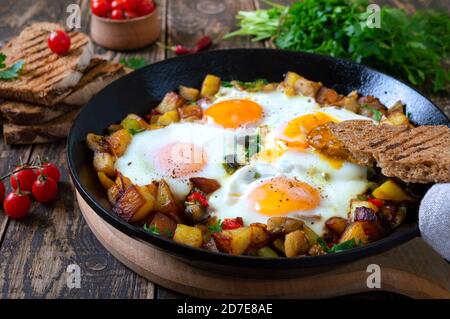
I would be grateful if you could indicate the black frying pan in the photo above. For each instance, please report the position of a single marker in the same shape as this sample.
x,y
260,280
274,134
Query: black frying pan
x,y
143,89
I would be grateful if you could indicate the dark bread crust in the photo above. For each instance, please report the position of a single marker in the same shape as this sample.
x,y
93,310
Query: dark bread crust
x,y
415,155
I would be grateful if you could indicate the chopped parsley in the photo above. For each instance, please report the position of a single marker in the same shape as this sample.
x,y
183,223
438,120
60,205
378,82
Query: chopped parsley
x,y
349,244
13,71
152,229
133,62
216,228
250,86
376,115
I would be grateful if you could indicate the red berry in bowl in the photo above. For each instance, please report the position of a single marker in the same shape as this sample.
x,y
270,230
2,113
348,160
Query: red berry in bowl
x,y
100,8
59,42
117,14
145,7
130,15
117,4
130,5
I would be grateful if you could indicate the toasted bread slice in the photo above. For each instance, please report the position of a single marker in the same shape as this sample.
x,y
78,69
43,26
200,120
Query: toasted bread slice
x,y
415,155
99,74
48,132
46,78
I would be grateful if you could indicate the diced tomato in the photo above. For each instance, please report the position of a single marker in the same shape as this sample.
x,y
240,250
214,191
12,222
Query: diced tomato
x,y
232,223
199,198
377,202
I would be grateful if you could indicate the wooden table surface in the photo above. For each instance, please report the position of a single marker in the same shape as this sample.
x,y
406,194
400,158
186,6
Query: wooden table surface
x,y
35,252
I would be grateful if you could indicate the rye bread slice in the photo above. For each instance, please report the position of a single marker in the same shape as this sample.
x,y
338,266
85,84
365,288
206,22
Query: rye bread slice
x,y
44,133
46,78
415,155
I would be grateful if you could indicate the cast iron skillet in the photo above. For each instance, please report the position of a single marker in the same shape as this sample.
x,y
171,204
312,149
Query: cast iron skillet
x,y
139,91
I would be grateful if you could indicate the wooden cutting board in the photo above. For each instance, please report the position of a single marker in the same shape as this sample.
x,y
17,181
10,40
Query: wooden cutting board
x,y
412,269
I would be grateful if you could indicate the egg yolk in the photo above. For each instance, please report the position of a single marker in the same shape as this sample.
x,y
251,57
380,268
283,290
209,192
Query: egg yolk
x,y
296,131
234,113
280,195
181,159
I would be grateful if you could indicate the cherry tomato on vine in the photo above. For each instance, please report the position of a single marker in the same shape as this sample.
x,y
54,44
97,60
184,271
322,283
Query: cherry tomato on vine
x,y
17,204
26,177
44,189
59,42
50,169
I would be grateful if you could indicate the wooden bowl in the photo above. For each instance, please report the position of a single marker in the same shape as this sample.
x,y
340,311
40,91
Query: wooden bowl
x,y
126,35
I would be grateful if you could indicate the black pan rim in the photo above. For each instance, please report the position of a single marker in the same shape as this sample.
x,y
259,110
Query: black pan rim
x,y
179,250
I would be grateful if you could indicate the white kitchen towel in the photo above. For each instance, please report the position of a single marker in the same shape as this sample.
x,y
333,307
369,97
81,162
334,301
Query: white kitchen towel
x,y
434,219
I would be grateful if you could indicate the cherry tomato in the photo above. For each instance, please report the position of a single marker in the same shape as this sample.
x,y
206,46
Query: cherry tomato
x,y
232,223
17,204
50,169
117,4
117,14
130,5
145,7
130,15
44,189
2,191
100,8
59,42
25,176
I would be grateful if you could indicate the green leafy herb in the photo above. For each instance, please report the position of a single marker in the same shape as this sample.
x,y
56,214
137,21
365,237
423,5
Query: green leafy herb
x,y
13,71
227,84
152,229
256,85
376,115
413,47
216,228
349,244
133,62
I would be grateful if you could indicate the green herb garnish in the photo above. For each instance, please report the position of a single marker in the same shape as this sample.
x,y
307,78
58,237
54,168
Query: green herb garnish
x,y
13,71
412,47
349,244
133,62
132,126
256,85
216,228
226,84
152,229
376,115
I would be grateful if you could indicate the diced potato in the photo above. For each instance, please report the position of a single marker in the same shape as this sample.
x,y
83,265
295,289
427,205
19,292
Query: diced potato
x,y
147,207
166,203
154,127
190,94
192,112
336,224
104,162
128,204
195,212
296,243
311,235
349,103
270,87
267,252
119,141
279,244
206,185
396,118
205,232
123,181
187,235
234,241
114,128
290,91
210,86
260,235
170,102
134,122
327,96
154,119
291,78
97,143
356,231
306,87
389,190
168,118
114,193
283,225
106,182
164,224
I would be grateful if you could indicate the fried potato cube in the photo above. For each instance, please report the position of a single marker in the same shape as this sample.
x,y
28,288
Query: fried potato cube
x,y
187,235
168,118
260,235
296,243
97,143
119,141
355,231
327,96
135,122
128,204
190,94
114,193
191,112
283,225
163,224
279,244
106,182
166,203
311,235
267,252
210,86
396,118
389,190
336,224
147,207
104,162
291,78
206,185
234,241
170,102
306,87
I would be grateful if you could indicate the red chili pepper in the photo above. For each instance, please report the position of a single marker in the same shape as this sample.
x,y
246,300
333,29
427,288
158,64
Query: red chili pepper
x,y
182,50
232,223
198,197
203,44
377,202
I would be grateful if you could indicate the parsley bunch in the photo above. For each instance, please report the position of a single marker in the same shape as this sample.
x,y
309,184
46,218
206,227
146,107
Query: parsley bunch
x,y
413,47
13,71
